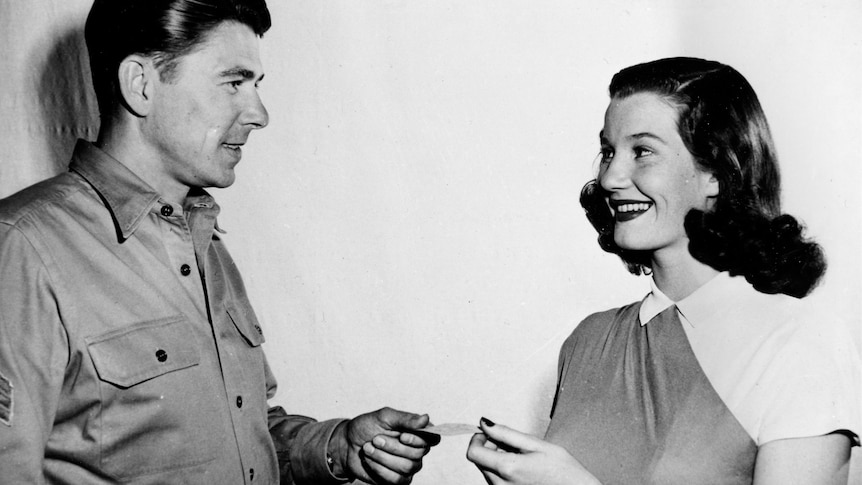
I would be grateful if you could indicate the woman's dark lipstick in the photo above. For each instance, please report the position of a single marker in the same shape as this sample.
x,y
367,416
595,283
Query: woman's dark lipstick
x,y
626,210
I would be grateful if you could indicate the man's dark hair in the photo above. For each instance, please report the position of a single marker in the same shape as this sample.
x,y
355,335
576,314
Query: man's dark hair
x,y
164,30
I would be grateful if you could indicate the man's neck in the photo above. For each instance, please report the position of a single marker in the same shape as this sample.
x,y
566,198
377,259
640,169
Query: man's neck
x,y
122,142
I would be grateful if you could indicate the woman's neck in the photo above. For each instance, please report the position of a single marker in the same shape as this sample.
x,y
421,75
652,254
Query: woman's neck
x,y
679,275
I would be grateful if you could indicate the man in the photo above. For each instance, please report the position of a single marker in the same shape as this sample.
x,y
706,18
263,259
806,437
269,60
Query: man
x,y
128,347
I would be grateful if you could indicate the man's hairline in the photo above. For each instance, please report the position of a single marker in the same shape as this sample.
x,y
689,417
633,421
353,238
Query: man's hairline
x,y
167,68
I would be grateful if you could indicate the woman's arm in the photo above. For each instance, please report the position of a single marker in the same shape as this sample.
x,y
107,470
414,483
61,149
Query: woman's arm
x,y
509,457
821,460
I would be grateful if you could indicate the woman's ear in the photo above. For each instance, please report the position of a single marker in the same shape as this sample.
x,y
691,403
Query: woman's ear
x,y
136,75
712,185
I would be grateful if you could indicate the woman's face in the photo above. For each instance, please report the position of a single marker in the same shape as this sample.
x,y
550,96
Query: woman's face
x,y
651,179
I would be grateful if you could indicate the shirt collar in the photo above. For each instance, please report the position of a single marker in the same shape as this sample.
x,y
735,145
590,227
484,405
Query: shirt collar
x,y
126,195
654,303
696,307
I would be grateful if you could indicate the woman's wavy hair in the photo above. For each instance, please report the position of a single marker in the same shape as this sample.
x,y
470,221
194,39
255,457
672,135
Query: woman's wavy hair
x,y
723,126
165,30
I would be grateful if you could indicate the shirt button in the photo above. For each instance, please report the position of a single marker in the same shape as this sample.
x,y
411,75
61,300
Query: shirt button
x,y
161,355
239,401
185,270
251,473
167,210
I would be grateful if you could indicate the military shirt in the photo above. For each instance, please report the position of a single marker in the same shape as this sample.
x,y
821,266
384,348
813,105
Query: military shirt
x,y
129,350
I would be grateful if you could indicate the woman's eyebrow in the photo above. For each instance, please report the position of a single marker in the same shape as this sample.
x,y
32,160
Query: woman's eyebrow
x,y
633,136
646,134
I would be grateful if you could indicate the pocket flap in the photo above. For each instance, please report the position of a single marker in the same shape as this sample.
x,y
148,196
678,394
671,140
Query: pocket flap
x,y
245,320
129,356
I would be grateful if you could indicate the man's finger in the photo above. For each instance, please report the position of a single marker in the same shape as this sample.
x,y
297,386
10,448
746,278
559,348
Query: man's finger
x,y
419,438
387,463
395,446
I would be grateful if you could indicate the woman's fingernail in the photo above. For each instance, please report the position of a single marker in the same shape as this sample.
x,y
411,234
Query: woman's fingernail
x,y
487,422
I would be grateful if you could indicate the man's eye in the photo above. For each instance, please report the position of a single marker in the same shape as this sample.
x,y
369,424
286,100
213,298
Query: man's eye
x,y
235,84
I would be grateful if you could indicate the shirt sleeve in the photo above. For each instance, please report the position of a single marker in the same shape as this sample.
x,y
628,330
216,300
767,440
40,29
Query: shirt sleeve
x,y
814,387
300,444
33,356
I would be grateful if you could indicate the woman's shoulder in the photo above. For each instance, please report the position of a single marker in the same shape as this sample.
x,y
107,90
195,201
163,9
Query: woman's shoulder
x,y
599,324
768,314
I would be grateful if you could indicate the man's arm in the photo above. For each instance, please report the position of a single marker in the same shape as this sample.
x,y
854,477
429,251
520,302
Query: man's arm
x,y
33,356
301,445
372,447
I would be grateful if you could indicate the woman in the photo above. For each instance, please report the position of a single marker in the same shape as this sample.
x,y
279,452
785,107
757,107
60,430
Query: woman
x,y
722,374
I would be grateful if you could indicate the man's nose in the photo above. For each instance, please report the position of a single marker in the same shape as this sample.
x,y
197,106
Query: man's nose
x,y
255,113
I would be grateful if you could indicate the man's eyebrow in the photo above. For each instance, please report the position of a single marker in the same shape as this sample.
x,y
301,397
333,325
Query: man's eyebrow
x,y
240,72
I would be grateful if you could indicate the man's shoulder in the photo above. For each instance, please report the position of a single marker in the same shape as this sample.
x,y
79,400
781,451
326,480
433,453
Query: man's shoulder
x,y
33,200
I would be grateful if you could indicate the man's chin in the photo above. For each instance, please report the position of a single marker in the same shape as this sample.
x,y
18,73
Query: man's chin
x,y
224,181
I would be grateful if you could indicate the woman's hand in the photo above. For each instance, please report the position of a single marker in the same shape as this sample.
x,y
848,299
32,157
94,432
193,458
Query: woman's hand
x,y
509,457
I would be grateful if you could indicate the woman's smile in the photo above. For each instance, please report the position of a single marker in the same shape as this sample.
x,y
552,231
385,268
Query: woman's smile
x,y
626,210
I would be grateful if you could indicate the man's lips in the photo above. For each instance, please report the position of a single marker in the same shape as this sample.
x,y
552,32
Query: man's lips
x,y
234,149
626,210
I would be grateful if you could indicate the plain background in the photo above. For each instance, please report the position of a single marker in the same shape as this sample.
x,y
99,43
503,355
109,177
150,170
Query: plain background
x,y
408,224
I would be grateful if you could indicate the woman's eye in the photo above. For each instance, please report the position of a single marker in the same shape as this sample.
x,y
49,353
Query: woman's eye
x,y
606,154
642,152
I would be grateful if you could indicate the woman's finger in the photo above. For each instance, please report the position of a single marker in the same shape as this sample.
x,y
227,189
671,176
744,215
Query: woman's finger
x,y
508,438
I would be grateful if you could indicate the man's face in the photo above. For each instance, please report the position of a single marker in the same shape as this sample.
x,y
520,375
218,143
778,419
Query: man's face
x,y
202,116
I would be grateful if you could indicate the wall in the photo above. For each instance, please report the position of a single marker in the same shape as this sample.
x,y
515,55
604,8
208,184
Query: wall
x,y
408,224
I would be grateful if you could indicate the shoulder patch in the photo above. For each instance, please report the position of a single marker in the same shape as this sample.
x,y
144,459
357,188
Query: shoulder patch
x,y
5,401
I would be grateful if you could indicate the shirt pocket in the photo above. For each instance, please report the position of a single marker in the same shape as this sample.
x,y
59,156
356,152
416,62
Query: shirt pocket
x,y
131,356
246,323
159,407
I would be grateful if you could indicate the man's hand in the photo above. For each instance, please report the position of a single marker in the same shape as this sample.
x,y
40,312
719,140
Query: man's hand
x,y
377,447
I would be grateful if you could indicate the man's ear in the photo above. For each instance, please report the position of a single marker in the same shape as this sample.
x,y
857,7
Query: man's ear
x,y
136,79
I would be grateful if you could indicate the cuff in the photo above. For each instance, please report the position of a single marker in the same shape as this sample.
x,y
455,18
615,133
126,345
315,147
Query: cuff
x,y
308,454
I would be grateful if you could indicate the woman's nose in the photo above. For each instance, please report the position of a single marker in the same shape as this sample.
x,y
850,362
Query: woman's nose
x,y
615,174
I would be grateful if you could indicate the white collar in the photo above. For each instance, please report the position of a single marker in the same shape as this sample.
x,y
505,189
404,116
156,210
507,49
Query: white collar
x,y
696,307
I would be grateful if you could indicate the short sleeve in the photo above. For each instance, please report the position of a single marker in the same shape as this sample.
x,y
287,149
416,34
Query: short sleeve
x,y
813,386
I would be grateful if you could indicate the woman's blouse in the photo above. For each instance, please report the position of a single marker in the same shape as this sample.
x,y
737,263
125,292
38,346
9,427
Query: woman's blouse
x,y
784,368
664,392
